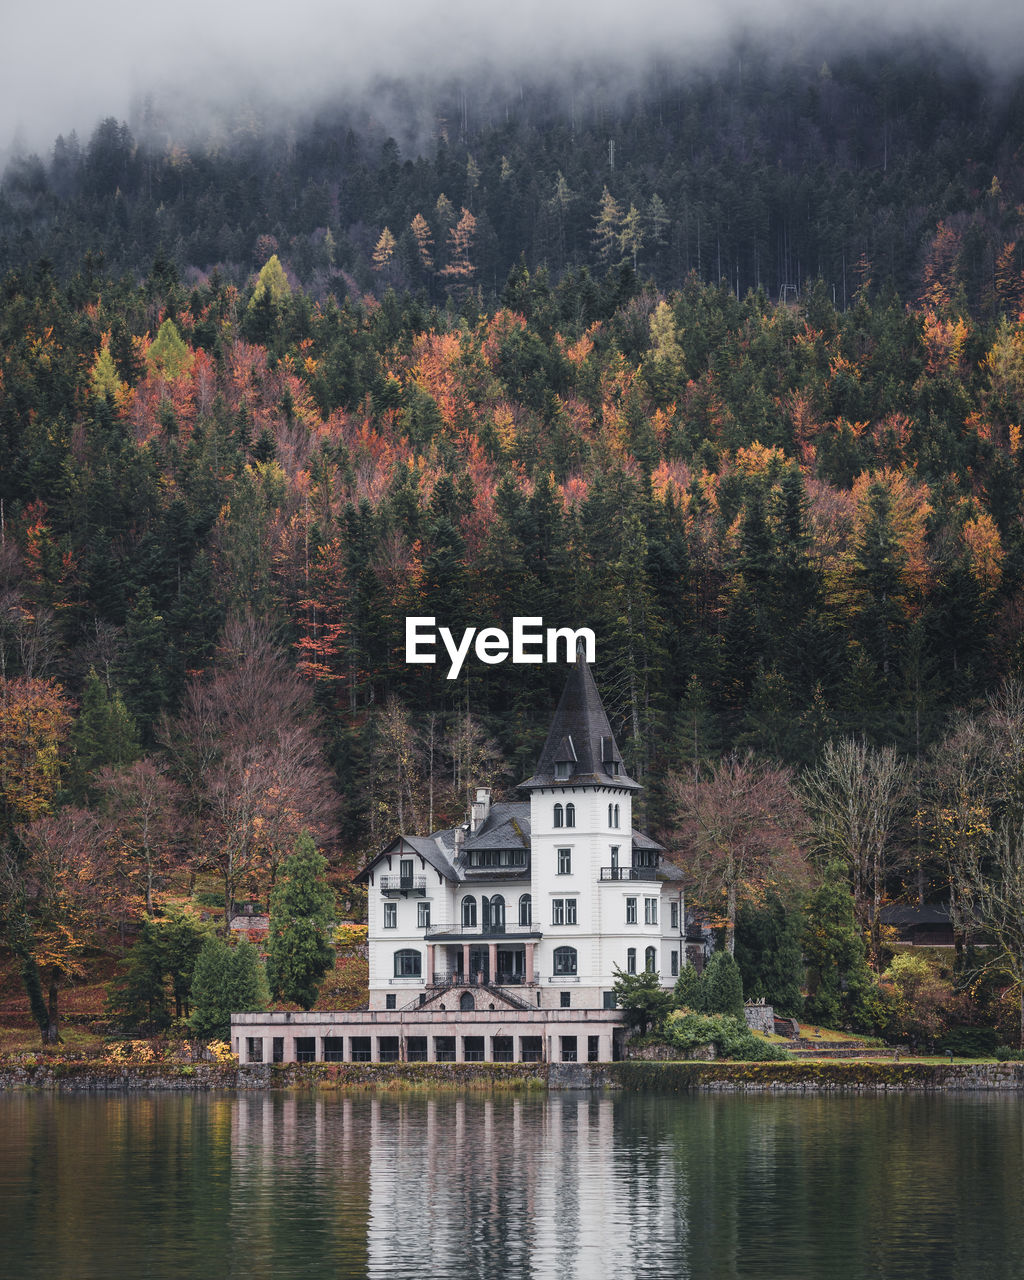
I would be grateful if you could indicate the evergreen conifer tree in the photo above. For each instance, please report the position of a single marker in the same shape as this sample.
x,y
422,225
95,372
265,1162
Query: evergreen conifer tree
x,y
104,733
838,975
227,980
722,986
301,917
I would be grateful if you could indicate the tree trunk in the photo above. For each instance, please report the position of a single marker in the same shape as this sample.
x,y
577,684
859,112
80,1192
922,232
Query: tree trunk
x,y
731,908
34,991
52,1030
876,912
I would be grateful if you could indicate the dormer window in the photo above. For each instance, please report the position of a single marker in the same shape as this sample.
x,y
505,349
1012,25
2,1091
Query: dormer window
x,y
565,759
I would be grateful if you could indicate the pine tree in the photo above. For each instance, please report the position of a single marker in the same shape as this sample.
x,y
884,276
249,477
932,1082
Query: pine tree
x,y
384,251
227,980
104,733
168,354
837,971
722,986
142,668
608,229
273,283
103,378
301,917
769,954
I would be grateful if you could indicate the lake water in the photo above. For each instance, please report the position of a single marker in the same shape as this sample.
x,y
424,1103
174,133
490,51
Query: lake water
x,y
508,1187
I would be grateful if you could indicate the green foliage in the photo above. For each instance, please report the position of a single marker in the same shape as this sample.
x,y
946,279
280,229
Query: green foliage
x,y
159,968
302,912
103,734
226,980
645,1004
841,988
168,354
688,993
769,953
142,669
971,1042
272,284
731,1036
104,379
722,986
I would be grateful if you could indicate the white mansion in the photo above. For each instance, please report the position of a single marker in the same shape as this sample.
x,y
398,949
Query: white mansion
x,y
499,940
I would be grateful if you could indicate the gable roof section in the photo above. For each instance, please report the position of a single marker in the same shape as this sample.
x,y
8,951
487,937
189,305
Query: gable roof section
x,y
434,850
643,841
581,737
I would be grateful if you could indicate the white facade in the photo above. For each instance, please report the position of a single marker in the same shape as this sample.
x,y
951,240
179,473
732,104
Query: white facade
x,y
542,898
500,940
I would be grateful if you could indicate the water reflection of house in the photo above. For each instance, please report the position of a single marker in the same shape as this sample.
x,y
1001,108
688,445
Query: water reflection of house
x,y
498,940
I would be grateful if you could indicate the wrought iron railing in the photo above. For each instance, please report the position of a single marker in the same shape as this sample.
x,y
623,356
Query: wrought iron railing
x,y
404,884
629,873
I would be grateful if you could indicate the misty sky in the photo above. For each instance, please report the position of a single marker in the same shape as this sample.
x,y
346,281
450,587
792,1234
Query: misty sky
x,y
68,64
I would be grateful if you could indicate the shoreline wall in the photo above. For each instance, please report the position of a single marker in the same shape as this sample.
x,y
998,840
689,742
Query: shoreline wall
x,y
655,1077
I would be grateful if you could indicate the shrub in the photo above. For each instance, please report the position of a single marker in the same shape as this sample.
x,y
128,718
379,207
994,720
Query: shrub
x,y
731,1036
642,999
970,1042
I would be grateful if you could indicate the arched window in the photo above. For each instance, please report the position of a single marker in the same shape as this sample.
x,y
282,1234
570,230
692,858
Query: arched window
x,y
616,822
524,909
466,1002
650,959
497,912
631,960
469,911
565,960
570,815
408,964
558,815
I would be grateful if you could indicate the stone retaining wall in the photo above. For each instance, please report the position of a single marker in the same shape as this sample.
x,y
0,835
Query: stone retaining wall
x,y
678,1077
760,1017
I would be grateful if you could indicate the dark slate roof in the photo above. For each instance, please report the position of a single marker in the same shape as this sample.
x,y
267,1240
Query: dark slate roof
x,y
435,850
507,827
904,915
643,841
669,871
575,737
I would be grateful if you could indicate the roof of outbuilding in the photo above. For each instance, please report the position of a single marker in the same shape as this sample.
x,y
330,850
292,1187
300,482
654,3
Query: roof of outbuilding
x,y
900,914
575,737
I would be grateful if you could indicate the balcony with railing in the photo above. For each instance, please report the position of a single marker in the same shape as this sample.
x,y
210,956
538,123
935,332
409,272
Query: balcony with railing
x,y
392,886
476,932
629,873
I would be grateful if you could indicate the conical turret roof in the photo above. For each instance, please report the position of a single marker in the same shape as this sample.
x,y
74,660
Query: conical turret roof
x,y
580,749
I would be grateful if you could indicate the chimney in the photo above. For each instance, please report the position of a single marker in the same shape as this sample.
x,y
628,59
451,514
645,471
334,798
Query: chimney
x,y
460,839
481,808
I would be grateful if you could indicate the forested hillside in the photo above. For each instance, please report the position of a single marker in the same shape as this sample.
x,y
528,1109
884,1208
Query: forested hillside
x,y
729,370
